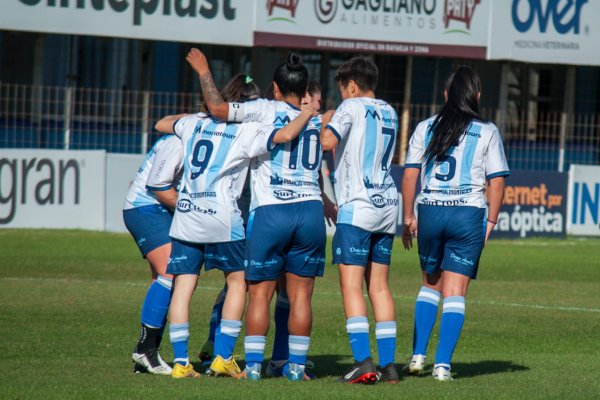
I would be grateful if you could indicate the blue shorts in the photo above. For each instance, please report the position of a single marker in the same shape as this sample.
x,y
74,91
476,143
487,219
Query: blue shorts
x,y
285,238
226,257
451,239
355,246
149,226
186,258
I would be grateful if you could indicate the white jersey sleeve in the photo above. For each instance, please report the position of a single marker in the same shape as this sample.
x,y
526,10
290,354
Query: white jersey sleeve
x,y
166,166
416,147
251,111
185,125
495,159
341,122
257,139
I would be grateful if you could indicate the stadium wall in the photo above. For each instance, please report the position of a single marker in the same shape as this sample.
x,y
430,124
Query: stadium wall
x,y
60,189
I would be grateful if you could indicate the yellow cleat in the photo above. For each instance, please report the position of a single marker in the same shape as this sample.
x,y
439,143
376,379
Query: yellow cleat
x,y
179,371
222,367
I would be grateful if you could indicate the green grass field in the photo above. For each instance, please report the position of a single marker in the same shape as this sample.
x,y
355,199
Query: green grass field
x,y
70,310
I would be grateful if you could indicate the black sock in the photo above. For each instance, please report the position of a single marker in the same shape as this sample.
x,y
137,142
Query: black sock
x,y
149,339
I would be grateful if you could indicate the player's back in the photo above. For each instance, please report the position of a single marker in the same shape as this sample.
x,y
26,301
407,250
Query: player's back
x,y
216,159
169,146
458,178
366,129
290,173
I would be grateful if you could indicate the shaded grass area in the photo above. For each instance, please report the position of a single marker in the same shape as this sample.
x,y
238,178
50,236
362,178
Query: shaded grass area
x,y
71,301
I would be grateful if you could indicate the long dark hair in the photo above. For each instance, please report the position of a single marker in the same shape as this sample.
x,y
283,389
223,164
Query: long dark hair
x,y
291,76
240,88
456,115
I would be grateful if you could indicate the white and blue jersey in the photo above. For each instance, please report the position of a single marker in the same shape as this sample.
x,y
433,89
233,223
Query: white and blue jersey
x,y
216,159
290,173
160,170
367,197
458,179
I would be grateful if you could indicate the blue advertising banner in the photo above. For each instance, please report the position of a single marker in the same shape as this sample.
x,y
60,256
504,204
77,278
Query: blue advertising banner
x,y
535,204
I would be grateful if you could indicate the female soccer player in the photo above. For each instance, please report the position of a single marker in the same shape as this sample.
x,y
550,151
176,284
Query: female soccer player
x,y
207,226
147,214
286,231
363,129
454,152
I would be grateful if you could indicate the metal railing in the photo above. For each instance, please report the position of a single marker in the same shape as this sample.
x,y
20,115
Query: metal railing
x,y
121,121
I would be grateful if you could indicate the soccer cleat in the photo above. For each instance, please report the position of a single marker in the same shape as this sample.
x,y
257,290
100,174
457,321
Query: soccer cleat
x,y
206,352
180,371
296,373
441,374
275,368
152,362
361,372
249,373
388,374
223,367
416,365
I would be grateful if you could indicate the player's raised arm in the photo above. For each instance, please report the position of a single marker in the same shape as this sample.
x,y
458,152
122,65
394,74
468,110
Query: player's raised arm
x,y
214,101
328,137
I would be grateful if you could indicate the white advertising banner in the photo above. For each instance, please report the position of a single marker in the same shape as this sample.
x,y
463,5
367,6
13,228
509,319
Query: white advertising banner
x,y
584,200
452,28
52,189
226,22
546,31
120,172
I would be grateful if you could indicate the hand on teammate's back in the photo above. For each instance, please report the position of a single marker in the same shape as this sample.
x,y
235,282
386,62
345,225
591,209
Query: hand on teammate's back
x,y
197,61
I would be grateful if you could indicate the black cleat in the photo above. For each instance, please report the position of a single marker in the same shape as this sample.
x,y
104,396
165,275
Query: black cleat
x,y
388,374
361,372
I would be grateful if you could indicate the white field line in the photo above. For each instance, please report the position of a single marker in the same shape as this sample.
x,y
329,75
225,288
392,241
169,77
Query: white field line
x,y
317,292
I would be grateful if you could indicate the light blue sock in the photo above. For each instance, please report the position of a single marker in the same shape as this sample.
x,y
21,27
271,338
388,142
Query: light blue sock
x,y
453,317
426,309
358,331
299,349
255,350
156,303
385,333
217,311
180,334
282,314
226,337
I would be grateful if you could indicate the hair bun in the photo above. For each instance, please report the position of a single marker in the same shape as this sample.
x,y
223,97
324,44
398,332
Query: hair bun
x,y
294,62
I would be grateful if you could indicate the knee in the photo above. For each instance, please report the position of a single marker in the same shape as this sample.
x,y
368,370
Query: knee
x,y
378,291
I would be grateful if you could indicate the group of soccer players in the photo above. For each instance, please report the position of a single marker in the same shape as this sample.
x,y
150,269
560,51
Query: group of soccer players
x,y
183,211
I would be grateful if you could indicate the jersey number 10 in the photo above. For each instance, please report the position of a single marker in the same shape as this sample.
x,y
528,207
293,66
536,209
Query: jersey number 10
x,y
309,148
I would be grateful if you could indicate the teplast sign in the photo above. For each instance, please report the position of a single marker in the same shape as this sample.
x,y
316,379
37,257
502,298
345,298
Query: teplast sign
x,y
456,28
535,204
549,31
197,21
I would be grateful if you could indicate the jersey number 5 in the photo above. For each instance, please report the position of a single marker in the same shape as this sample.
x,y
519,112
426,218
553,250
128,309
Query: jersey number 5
x,y
451,169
